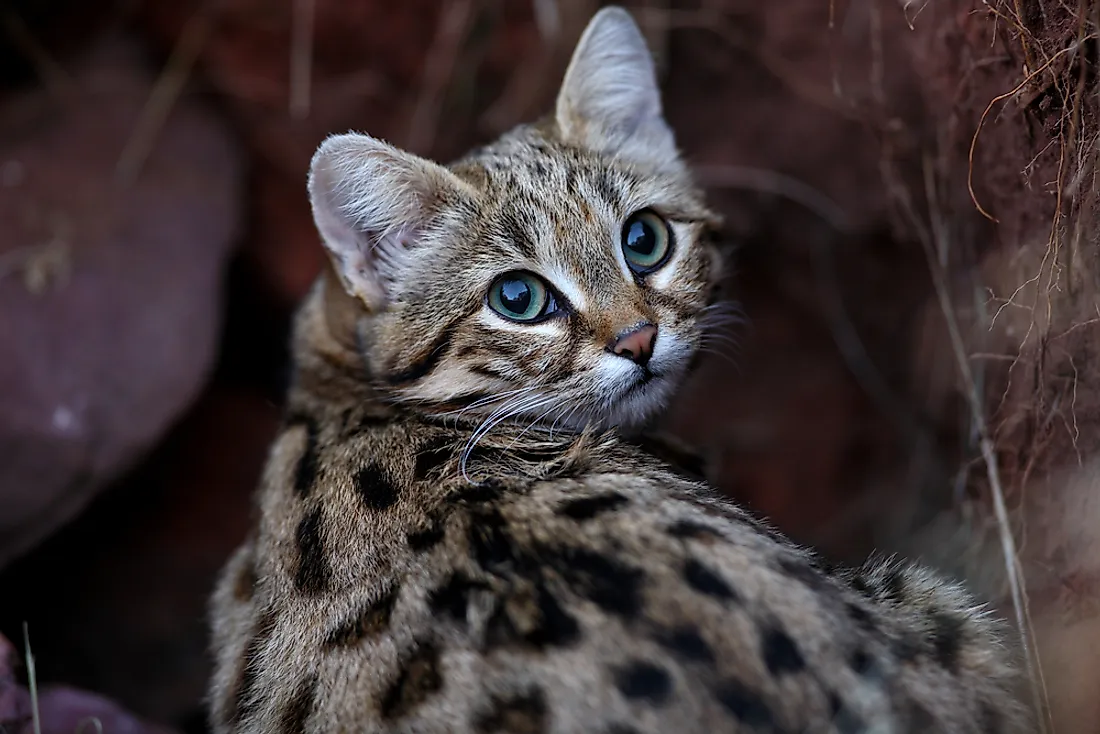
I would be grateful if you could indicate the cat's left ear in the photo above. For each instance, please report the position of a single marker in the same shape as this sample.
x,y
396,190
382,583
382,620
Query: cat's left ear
x,y
610,101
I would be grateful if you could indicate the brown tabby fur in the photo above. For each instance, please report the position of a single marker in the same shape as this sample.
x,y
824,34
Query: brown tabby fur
x,y
412,572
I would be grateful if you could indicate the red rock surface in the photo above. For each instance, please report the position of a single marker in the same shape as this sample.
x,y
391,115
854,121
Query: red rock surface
x,y
110,292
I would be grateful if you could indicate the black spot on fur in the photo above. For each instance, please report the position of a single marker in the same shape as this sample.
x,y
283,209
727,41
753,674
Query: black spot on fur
x,y
947,638
585,508
992,719
746,706
296,711
690,529
478,494
431,458
313,573
906,646
375,486
243,703
556,628
705,581
844,720
418,679
917,718
861,662
542,624
245,585
860,616
781,653
687,644
605,581
645,681
803,571
490,540
522,714
620,728
894,587
453,597
426,539
306,473
373,619
860,584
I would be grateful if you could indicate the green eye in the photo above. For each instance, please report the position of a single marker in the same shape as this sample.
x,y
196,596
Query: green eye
x,y
521,297
647,242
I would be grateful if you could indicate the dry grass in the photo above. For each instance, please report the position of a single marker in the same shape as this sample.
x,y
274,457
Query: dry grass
x,y
1056,65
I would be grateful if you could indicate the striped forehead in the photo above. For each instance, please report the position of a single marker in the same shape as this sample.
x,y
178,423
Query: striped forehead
x,y
564,220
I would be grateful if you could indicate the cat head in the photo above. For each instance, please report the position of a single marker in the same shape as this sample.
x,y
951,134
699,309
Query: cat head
x,y
557,275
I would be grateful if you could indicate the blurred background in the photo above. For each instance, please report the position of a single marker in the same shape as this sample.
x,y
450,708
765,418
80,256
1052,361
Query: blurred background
x,y
909,185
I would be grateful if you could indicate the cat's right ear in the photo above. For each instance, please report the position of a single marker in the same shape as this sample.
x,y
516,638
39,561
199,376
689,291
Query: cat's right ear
x,y
372,204
609,100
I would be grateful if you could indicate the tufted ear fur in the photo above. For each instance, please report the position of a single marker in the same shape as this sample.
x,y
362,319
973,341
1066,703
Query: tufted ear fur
x,y
373,204
609,100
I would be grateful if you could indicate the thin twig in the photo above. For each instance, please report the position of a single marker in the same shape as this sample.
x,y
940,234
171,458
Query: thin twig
x,y
165,92
1017,587
454,25
981,122
32,679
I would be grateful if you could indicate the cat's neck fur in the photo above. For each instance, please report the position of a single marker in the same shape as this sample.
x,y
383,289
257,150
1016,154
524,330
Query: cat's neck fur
x,y
331,373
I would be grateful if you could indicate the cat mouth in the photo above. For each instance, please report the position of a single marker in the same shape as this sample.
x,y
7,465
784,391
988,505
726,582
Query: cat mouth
x,y
645,378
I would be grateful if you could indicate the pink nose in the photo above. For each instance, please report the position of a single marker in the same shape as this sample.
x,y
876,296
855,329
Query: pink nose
x,y
636,344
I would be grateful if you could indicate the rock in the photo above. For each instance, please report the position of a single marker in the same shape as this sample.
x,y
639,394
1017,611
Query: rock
x,y
15,703
109,291
61,710
129,619
65,710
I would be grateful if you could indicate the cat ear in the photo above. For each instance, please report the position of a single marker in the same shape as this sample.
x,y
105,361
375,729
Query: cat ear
x,y
372,204
610,101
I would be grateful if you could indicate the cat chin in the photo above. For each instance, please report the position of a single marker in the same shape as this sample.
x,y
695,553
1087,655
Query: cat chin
x,y
640,403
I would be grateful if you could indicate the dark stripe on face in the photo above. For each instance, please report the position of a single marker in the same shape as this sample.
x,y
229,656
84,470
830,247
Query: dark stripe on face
x,y
517,234
422,365
606,188
491,373
684,310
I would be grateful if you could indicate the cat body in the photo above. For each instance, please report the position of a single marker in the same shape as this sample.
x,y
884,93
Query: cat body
x,y
453,532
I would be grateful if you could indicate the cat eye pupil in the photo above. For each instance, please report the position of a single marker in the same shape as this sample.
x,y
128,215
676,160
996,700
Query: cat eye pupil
x,y
641,238
515,295
521,296
647,242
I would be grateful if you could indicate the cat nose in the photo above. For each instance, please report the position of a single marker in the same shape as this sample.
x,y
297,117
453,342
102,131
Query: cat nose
x,y
636,344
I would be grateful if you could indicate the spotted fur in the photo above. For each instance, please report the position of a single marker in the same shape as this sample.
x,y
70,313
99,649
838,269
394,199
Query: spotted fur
x,y
455,532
